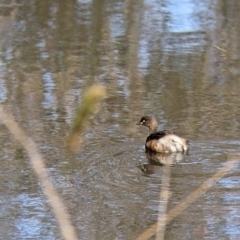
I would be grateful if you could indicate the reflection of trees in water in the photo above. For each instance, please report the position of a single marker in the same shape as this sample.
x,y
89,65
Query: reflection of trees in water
x,y
53,50
77,44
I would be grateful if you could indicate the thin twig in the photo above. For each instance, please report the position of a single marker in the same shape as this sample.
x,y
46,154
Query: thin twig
x,y
221,49
39,168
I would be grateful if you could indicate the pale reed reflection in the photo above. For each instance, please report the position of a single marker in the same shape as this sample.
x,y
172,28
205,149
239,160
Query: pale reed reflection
x,y
163,201
158,228
166,160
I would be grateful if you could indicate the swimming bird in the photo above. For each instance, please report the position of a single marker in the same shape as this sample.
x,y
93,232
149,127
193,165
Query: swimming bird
x,y
162,141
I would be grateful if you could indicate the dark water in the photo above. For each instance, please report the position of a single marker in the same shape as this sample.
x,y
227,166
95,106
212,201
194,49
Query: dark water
x,y
177,60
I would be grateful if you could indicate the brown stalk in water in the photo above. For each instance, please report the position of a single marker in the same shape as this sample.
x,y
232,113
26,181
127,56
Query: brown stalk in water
x,y
88,106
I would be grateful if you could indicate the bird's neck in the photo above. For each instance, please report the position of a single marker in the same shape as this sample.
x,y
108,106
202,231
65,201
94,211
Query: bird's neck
x,y
153,129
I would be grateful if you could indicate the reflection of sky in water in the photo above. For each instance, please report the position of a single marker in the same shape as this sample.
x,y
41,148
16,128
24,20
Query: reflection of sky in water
x,y
31,218
3,91
181,16
117,25
178,16
28,227
230,219
49,101
230,182
161,21
83,1
42,48
169,26
49,85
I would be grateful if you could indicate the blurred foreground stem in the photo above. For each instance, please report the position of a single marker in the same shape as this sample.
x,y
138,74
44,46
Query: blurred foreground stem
x,y
88,106
38,165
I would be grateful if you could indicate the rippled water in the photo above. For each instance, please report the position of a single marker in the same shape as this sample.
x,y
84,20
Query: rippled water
x,y
177,60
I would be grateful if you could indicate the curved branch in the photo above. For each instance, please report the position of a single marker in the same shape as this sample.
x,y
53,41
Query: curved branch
x,y
37,162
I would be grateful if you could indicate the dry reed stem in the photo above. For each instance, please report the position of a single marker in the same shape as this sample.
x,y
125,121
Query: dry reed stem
x,y
37,162
221,49
156,227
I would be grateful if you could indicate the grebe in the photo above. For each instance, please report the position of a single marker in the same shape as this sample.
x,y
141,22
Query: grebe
x,y
162,141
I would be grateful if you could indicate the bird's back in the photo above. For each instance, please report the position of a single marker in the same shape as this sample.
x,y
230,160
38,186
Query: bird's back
x,y
166,141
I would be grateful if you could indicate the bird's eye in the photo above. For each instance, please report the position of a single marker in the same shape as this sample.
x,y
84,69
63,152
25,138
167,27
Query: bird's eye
x,y
143,121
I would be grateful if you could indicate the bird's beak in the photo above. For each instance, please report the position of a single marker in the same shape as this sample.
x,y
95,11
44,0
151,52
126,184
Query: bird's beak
x,y
139,123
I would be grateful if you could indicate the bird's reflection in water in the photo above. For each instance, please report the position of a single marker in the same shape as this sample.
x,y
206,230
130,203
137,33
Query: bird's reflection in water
x,y
160,159
155,160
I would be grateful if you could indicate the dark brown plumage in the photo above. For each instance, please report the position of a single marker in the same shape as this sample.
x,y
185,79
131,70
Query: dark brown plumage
x,y
162,141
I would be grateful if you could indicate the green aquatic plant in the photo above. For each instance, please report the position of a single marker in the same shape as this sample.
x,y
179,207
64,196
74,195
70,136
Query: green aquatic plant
x,y
88,106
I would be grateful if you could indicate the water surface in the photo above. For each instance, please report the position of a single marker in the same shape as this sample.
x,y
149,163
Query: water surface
x,y
176,60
